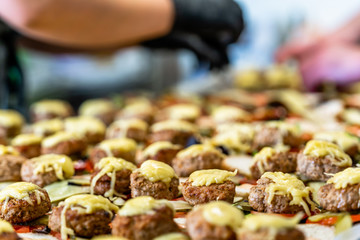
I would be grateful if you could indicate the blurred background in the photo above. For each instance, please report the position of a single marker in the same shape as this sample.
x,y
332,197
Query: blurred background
x,y
269,24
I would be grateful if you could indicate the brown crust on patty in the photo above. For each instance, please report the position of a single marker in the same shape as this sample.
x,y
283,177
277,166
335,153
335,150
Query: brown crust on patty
x,y
10,168
94,137
175,137
279,204
9,236
84,225
140,186
200,229
185,166
9,132
41,179
269,137
20,211
29,151
314,168
48,116
148,118
138,135
122,183
163,155
145,226
215,192
107,118
97,154
339,200
70,147
280,162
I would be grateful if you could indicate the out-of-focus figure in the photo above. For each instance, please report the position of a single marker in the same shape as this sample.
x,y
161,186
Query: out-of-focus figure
x,y
333,57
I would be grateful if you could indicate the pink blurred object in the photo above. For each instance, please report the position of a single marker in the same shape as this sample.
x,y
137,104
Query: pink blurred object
x,y
338,63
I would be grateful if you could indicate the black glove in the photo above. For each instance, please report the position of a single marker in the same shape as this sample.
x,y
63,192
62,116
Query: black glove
x,y
216,56
205,27
221,20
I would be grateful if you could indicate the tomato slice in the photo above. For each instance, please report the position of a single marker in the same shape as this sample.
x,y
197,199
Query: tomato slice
x,y
180,215
287,215
21,229
355,218
329,221
354,130
83,166
179,199
326,221
56,235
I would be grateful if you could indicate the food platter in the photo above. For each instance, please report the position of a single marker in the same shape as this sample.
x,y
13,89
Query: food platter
x,y
285,160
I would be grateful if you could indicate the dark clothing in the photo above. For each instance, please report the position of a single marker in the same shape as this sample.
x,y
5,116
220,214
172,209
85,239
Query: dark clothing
x,y
11,76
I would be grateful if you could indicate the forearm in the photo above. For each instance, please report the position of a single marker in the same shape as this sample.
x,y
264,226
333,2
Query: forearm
x,y
350,32
89,23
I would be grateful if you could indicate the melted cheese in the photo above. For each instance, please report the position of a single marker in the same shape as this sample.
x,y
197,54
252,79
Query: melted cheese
x,y
20,191
142,205
233,140
175,125
249,79
183,111
120,144
229,114
261,158
247,131
59,137
57,107
198,149
7,150
126,124
26,139
284,127
222,214
10,118
94,107
84,204
154,148
317,148
211,176
138,108
157,171
172,236
48,126
109,166
349,176
343,139
85,124
6,227
352,116
258,221
288,185
61,164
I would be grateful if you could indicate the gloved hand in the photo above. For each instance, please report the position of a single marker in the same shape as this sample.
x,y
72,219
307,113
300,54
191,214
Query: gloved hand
x,y
216,56
212,19
205,27
337,63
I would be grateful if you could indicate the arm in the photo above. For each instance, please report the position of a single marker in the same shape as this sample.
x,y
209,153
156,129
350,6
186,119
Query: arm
x,y
89,23
348,33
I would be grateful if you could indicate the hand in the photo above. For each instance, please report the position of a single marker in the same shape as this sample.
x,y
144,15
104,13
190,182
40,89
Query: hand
x,y
216,56
310,42
338,63
205,27
215,19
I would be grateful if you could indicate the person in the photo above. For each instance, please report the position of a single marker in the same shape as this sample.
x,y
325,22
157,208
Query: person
x,y
334,57
206,27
